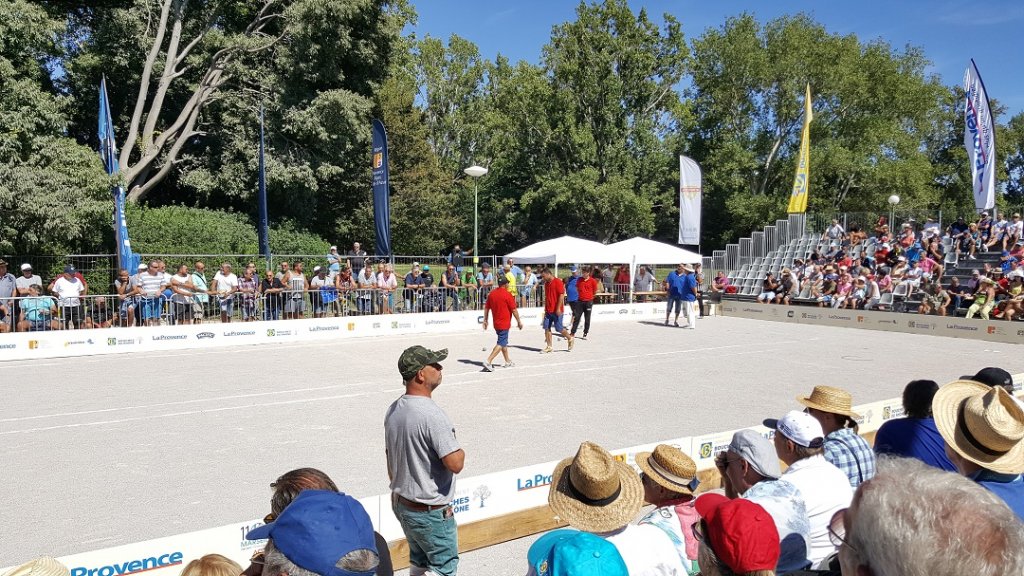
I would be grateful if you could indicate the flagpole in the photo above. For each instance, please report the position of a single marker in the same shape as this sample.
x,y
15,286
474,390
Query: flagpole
x,y
264,219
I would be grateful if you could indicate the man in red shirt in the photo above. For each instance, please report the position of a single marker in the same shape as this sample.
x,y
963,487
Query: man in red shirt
x,y
554,307
586,287
502,304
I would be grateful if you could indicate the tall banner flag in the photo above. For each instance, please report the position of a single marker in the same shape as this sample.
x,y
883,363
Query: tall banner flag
x,y
980,139
126,259
798,199
381,186
264,224
689,201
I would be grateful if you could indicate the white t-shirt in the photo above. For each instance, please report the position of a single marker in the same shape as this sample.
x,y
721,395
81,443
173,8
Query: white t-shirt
x,y
826,490
180,281
68,291
1015,228
389,283
225,284
648,551
23,283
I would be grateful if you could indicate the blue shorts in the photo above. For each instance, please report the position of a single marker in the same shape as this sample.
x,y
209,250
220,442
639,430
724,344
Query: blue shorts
x,y
151,308
502,337
553,320
674,301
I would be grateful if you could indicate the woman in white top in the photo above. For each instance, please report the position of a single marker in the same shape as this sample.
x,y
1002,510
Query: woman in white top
x,y
181,299
387,283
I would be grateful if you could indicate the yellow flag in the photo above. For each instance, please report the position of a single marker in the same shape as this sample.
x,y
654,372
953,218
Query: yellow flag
x,y
798,200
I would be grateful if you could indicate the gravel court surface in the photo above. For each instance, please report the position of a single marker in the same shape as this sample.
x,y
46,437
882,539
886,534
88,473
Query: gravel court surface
x,y
109,450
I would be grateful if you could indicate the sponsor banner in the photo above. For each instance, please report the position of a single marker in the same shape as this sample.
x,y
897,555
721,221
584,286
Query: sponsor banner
x,y
976,328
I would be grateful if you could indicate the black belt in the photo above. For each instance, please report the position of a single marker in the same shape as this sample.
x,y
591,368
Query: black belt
x,y
418,507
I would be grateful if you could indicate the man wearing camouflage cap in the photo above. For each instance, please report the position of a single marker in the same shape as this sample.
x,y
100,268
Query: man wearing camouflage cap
x,y
423,458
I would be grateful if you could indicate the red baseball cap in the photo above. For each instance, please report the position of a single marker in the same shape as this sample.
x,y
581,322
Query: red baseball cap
x,y
740,532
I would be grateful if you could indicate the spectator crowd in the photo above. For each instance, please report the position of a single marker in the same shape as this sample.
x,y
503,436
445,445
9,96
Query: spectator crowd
x,y
894,269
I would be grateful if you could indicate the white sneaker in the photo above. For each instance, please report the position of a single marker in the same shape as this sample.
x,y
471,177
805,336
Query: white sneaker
x,y
508,365
488,367
546,350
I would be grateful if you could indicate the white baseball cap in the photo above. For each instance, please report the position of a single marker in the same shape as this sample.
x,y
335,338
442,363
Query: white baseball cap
x,y
800,427
26,266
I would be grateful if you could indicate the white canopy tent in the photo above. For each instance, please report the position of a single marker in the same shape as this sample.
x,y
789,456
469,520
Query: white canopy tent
x,y
566,249
645,251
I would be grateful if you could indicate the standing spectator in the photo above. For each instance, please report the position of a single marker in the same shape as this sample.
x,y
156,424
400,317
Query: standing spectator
x,y
8,290
688,287
450,283
844,448
915,435
423,458
984,298
606,277
586,289
296,286
125,299
485,282
674,288
429,293
530,282
768,288
750,469
572,295
915,520
834,233
669,478
983,428
271,289
595,493
150,287
516,270
554,309
321,533
225,284
1014,230
737,537
283,270
248,293
68,289
333,262
644,281
366,281
622,281
698,277
502,305
513,279
356,257
26,279
387,283
317,284
344,284
469,287
458,258
182,299
413,293
825,489
38,312
202,298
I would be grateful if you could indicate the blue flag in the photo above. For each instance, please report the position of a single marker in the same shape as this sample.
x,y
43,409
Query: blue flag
x,y
381,187
126,259
264,224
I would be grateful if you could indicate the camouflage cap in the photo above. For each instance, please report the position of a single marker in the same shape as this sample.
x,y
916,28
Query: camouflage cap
x,y
416,357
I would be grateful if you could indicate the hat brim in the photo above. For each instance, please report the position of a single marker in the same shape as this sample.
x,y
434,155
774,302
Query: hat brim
x,y
593,518
946,411
261,533
641,460
806,401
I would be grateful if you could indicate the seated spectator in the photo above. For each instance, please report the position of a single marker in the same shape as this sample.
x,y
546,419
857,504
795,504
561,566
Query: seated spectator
x,y
912,519
98,314
983,428
872,294
825,489
993,377
768,288
37,312
318,295
737,537
721,283
935,299
44,566
212,565
984,298
915,435
750,469
844,448
387,283
786,287
844,288
321,533
596,493
669,478
574,553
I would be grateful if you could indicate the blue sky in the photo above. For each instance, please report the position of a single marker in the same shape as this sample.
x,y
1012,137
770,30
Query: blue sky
x,y
950,32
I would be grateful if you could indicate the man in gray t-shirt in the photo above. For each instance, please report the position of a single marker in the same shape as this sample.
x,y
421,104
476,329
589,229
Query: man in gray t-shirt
x,y
423,458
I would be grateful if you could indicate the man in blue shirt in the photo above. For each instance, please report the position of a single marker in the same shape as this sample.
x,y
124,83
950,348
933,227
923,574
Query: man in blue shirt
x,y
983,428
689,294
915,436
674,286
572,294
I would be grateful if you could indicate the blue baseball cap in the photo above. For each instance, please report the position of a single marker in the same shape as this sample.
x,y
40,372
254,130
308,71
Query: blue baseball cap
x,y
318,529
571,552
573,268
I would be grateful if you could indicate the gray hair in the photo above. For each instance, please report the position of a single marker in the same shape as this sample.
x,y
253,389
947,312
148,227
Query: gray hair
x,y
916,520
276,563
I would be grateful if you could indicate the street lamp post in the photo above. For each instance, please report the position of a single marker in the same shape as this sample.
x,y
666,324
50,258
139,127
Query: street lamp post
x,y
893,201
475,172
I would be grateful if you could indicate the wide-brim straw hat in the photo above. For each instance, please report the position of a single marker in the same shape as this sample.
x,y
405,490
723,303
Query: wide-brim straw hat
x,y
594,492
830,399
984,425
44,566
670,468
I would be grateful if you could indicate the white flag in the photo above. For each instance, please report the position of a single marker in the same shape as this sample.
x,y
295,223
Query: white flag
x,y
980,140
689,201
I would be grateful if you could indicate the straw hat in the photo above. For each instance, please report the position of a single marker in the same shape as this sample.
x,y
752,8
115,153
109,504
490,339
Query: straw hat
x,y
594,492
670,468
982,424
44,566
829,399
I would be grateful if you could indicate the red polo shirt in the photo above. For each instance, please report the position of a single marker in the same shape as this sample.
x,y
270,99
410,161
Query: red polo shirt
x,y
553,292
586,287
501,303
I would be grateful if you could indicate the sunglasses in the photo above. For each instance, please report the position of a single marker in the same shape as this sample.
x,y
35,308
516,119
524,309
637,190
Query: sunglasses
x,y
837,530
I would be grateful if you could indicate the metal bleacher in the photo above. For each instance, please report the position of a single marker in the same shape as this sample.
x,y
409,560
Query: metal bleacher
x,y
768,250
